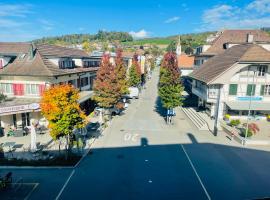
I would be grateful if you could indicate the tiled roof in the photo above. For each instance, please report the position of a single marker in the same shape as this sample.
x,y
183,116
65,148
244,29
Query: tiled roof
x,y
185,61
58,51
14,47
235,37
40,65
218,64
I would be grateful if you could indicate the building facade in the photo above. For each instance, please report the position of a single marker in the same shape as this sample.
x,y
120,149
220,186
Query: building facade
x,y
28,69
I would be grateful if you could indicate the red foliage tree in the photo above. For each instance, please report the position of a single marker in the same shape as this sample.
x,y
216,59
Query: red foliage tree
x,y
107,91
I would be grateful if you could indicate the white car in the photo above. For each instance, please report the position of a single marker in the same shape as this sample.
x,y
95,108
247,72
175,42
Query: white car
x,y
133,93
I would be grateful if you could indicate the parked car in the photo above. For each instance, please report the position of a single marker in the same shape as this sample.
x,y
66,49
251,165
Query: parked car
x,y
133,93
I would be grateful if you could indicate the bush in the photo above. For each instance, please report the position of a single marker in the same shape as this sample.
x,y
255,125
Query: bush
x,y
227,117
235,122
243,133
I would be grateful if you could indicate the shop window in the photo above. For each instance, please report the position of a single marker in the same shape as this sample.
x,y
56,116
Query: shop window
x,y
251,89
233,89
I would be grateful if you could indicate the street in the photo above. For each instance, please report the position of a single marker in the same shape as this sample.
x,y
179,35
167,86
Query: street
x,y
140,157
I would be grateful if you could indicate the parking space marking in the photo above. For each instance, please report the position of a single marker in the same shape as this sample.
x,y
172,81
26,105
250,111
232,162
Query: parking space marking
x,y
196,173
30,193
64,186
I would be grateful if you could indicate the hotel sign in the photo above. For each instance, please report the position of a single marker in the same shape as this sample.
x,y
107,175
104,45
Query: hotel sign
x,y
12,109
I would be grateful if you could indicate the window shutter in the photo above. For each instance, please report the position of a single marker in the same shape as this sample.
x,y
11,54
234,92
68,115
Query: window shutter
x,y
262,90
233,89
251,90
41,89
1,64
14,87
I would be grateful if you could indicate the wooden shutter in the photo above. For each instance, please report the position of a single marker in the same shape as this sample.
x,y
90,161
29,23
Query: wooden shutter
x,y
233,89
262,90
18,89
41,89
251,89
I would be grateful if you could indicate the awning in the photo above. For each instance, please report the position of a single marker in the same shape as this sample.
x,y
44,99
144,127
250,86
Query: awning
x,y
244,105
85,95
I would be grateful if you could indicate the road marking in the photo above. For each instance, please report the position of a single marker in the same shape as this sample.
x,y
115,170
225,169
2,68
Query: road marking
x,y
30,193
196,173
64,186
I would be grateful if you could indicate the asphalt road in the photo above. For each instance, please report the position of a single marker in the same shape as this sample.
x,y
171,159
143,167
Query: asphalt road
x,y
140,157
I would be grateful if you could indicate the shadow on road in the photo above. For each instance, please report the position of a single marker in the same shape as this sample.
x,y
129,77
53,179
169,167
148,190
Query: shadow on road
x,y
159,109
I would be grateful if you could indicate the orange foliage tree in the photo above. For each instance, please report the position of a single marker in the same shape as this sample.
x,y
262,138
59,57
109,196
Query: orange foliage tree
x,y
59,105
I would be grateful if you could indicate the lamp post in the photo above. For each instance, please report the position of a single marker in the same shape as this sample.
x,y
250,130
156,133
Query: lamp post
x,y
249,105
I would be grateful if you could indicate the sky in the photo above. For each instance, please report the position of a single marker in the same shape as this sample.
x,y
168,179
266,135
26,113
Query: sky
x,y
31,19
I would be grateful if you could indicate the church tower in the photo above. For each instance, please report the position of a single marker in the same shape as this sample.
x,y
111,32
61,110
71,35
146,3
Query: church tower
x,y
178,47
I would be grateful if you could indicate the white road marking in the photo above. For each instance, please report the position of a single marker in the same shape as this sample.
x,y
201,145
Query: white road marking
x,y
196,173
64,186
30,193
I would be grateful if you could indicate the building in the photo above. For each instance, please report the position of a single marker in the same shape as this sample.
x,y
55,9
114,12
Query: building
x,y
185,63
237,79
27,69
215,43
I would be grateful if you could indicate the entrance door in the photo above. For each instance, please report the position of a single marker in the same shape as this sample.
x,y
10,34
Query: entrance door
x,y
25,119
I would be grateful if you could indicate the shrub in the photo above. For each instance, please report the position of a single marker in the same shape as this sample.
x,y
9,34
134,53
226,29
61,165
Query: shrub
x,y
268,118
227,116
243,133
235,122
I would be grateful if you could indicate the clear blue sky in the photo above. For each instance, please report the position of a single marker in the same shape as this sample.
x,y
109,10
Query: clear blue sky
x,y
30,19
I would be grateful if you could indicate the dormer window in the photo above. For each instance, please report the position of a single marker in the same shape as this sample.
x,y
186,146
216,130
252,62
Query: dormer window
x,y
66,64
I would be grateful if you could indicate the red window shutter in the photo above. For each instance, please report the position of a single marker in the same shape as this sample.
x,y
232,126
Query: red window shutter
x,y
18,89
1,64
41,89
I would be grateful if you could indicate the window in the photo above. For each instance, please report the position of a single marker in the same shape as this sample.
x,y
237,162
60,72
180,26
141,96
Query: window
x,y
265,90
84,81
6,88
262,69
91,63
251,89
233,89
31,89
63,64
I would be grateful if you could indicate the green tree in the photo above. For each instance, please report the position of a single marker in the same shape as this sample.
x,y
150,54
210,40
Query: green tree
x,y
2,97
170,88
172,46
135,72
121,72
107,91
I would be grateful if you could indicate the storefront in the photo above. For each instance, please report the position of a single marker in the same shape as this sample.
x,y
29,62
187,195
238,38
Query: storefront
x,y
18,114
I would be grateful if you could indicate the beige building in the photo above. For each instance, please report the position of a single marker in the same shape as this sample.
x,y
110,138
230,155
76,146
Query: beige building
x,y
28,69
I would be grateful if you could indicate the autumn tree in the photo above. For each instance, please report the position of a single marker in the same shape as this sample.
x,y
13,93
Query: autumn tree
x,y
135,72
107,91
59,105
170,88
121,72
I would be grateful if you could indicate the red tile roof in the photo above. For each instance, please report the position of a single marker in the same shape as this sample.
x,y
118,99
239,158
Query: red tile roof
x,y
185,61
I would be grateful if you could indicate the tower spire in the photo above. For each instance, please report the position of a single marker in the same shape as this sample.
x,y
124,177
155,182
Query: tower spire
x,y
178,48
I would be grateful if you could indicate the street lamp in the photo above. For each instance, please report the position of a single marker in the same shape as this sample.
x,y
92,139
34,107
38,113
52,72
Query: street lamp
x,y
249,106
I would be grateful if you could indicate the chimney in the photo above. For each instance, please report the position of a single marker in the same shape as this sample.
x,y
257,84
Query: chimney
x,y
31,51
250,38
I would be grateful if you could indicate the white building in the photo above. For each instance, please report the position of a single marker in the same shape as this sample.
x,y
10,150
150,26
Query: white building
x,y
215,43
28,69
238,79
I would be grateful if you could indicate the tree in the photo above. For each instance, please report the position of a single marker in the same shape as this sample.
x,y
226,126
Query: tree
x,y
121,72
86,46
59,105
170,88
2,97
171,47
107,91
135,72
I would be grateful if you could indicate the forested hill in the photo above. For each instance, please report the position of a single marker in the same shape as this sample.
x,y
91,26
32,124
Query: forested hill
x,y
80,38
